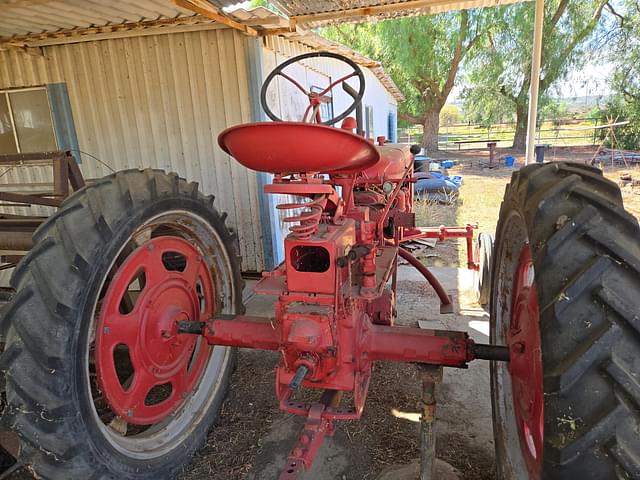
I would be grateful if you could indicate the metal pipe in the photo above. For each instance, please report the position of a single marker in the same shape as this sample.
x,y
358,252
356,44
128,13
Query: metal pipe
x,y
431,375
243,332
536,55
490,352
417,345
445,300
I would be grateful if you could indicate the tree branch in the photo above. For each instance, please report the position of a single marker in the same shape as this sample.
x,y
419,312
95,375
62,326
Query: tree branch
x,y
509,95
562,7
458,54
432,85
410,118
346,39
551,75
613,12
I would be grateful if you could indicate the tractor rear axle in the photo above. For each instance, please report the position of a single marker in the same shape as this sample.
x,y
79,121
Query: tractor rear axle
x,y
377,343
381,343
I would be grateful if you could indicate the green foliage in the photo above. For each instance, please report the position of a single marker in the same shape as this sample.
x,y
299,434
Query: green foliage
x,y
617,110
626,54
554,111
502,68
450,115
483,106
422,54
264,3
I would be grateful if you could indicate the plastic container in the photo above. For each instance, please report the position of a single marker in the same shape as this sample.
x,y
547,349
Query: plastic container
x,y
539,152
447,163
509,161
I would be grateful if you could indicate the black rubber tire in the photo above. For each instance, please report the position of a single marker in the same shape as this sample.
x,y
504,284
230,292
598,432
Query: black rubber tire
x,y
47,321
586,258
483,253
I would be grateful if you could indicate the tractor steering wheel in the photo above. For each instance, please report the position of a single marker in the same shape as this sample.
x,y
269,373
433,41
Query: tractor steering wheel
x,y
315,98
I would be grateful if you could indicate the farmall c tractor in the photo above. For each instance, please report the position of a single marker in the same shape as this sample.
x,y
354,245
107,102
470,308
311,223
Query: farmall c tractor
x,y
119,339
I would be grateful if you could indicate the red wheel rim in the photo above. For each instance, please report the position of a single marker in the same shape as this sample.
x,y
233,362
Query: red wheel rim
x,y
158,354
525,365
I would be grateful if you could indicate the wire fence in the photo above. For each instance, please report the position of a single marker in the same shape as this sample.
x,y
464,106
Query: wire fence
x,y
563,132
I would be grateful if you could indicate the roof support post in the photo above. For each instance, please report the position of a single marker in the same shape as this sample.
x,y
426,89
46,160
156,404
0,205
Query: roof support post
x,y
266,202
536,56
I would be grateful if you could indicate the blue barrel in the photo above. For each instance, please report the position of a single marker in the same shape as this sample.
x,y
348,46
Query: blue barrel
x,y
509,161
447,163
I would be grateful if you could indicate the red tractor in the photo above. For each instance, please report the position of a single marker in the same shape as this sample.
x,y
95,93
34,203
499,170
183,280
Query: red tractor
x,y
117,355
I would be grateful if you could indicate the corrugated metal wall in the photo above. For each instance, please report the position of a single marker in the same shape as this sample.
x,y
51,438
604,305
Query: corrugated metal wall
x,y
154,101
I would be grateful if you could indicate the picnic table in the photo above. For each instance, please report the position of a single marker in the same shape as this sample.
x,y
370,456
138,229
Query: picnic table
x,y
491,145
488,142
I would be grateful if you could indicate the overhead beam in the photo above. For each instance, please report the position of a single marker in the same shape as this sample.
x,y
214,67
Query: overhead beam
x,y
202,7
389,8
121,30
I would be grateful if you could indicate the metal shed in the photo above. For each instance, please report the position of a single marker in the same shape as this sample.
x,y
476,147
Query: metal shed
x,y
151,84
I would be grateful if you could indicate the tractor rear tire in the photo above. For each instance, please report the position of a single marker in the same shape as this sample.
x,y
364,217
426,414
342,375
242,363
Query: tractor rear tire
x,y
54,404
565,298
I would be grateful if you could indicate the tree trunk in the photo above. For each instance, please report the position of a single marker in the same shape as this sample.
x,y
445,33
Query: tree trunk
x,y
520,138
431,126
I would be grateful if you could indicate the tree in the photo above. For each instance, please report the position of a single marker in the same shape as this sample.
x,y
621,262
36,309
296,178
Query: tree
x,y
450,115
625,53
502,66
481,105
625,56
422,54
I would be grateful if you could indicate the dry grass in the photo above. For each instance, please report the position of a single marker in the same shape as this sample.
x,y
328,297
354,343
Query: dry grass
x,y
479,202
481,196
630,194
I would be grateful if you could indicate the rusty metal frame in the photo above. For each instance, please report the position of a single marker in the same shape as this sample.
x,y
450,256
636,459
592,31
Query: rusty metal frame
x,y
17,229
65,172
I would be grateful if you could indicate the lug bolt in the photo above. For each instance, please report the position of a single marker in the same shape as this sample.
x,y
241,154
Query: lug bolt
x,y
151,246
106,330
129,413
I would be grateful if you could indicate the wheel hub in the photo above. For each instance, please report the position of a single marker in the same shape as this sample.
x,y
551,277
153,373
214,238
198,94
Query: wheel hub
x,y
162,282
525,365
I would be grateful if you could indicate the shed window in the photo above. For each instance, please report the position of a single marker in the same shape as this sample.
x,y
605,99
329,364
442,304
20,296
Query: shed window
x,y
368,121
26,124
392,127
326,107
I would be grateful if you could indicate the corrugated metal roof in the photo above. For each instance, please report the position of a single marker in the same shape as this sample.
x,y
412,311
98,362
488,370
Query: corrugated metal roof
x,y
263,16
316,42
27,17
321,12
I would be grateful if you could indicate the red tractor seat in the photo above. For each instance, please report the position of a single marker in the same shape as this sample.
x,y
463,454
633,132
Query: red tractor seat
x,y
296,147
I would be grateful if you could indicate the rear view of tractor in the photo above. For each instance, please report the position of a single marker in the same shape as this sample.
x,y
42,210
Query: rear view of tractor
x,y
119,338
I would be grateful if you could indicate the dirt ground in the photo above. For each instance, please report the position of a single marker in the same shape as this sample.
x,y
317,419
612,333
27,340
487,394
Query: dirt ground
x,y
483,188
252,438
